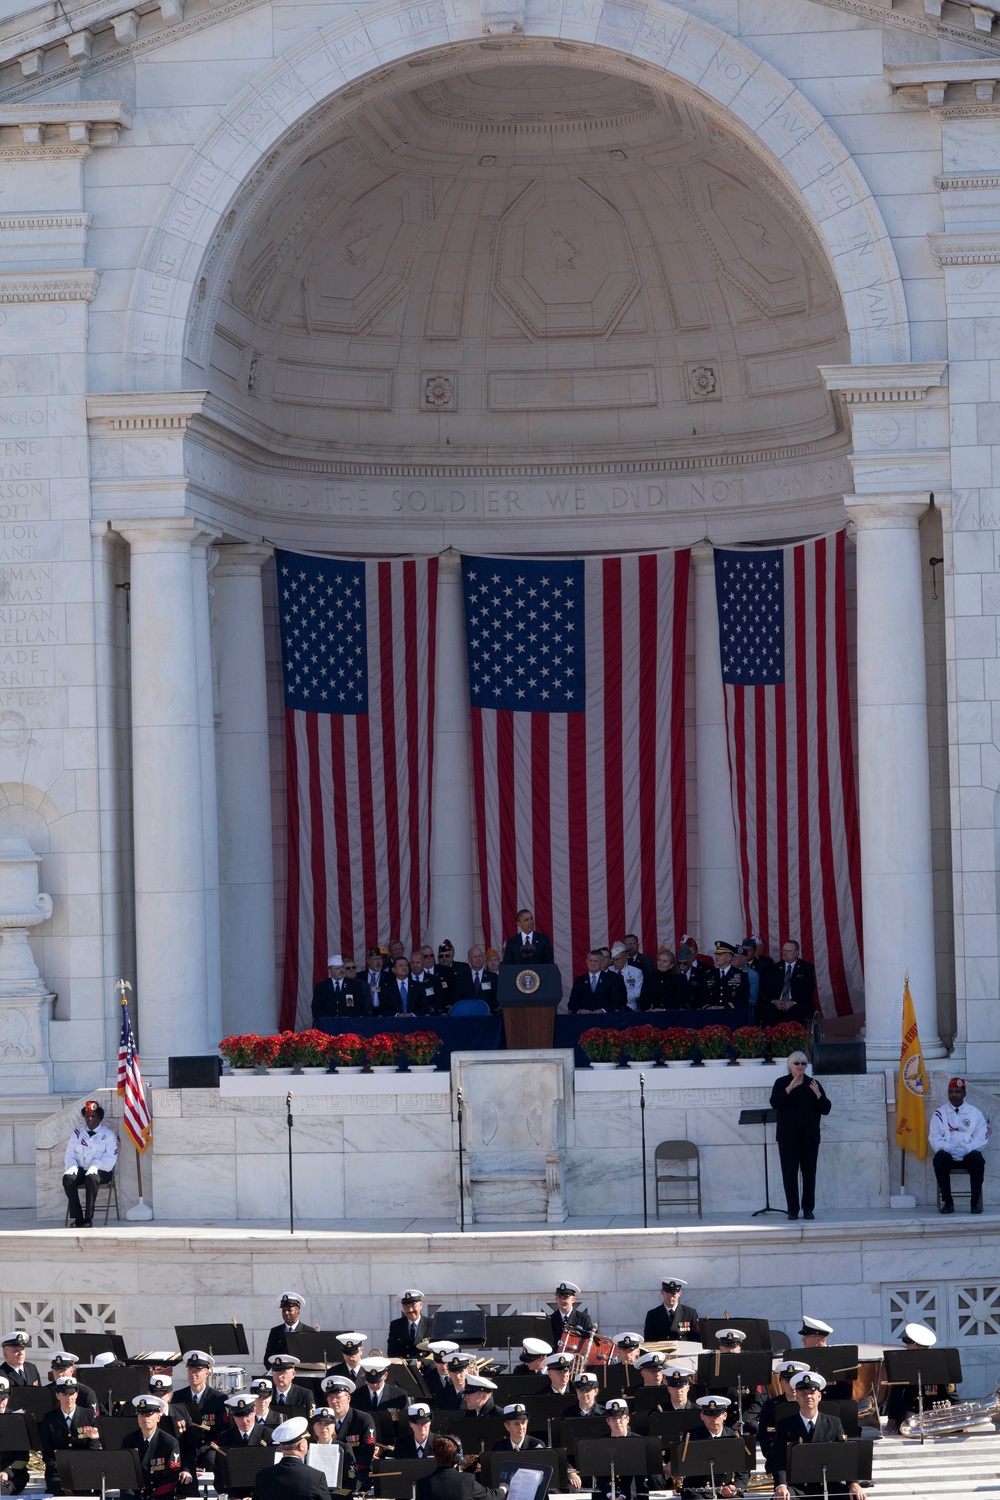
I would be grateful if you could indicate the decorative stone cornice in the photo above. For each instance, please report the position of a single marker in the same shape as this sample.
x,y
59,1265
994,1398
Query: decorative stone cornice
x,y
968,182
951,89
59,130
864,385
49,286
145,411
965,249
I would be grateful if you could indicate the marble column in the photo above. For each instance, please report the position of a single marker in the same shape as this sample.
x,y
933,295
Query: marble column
x,y
897,885
169,853
452,838
246,876
202,564
719,907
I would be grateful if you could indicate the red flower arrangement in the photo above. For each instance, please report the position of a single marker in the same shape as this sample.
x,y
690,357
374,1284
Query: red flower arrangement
x,y
242,1051
750,1041
642,1043
714,1041
420,1047
677,1043
787,1038
601,1044
382,1050
347,1050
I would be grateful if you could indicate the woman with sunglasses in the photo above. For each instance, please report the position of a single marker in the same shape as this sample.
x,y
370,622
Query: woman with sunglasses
x,y
800,1103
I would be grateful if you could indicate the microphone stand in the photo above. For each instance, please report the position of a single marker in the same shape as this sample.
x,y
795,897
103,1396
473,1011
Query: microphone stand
x,y
289,1122
461,1166
642,1126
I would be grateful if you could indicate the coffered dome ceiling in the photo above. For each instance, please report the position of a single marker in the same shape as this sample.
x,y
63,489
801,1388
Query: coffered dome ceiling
x,y
531,261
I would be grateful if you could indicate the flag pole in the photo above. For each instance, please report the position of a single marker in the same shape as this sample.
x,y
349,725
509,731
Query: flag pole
x,y
139,1212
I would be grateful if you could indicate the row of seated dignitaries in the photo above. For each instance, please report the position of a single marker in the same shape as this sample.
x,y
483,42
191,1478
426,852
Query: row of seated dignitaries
x,y
186,1427
618,977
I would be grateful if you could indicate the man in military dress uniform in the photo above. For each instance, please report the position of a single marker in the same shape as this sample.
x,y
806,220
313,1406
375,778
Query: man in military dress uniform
x,y
245,1430
904,1398
204,1412
452,1392
15,1367
567,1315
158,1451
558,1369
673,1319
292,1478
586,1404
408,1330
414,1440
377,1394
534,1353
353,1345
286,1393
517,1438
746,1400
291,1312
678,1382
68,1426
808,1425
714,1417
355,1428
66,1364
767,1422
635,1487
727,988
13,1464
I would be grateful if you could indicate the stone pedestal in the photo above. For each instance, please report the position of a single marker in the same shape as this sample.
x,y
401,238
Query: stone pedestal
x,y
514,1122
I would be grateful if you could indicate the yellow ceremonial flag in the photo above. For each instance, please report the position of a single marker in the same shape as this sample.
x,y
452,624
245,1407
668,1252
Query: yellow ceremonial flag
x,y
911,1090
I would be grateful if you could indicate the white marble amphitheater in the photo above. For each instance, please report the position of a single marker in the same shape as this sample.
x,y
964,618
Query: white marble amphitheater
x,y
270,277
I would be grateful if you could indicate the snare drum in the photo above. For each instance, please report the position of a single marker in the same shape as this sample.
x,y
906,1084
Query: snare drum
x,y
592,1348
228,1378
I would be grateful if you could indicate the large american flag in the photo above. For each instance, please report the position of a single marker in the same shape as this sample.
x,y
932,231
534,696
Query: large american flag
x,y
135,1111
576,676
358,646
783,638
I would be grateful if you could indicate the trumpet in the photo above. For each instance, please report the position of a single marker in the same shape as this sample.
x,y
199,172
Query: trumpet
x,y
943,1420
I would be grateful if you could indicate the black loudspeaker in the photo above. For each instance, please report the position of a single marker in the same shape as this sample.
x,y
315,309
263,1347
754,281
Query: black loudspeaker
x,y
839,1057
194,1072
460,1327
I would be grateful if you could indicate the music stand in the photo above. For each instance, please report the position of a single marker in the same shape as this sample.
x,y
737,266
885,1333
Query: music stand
x,y
669,1425
242,1465
921,1367
835,1362
397,1480
86,1345
519,1387
114,1430
740,1370
82,1471
18,1433
217,1339
763,1117
705,1460
312,1346
528,1458
113,1383
598,1456
510,1332
834,1465
36,1400
757,1330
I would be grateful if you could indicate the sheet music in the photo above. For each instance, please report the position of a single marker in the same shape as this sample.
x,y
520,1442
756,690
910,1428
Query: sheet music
x,y
525,1484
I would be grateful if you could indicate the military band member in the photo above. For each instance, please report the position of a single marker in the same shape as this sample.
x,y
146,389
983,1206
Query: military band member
x,y
66,1364
262,1391
903,1399
567,1315
678,1383
727,988
376,1394
291,1310
673,1319
815,1334
628,1347
767,1422
204,1412
517,1439
158,1451
651,1367
715,1411
323,1421
410,1329
68,1426
452,1391
415,1440
633,1487
13,1464
808,1425
286,1393
435,1375
355,1428
478,1397
292,1478
746,1400
353,1345
534,1353
558,1369
245,1430
586,1404
16,1367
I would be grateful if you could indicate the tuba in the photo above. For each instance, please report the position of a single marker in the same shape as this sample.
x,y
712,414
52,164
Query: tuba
x,y
944,1421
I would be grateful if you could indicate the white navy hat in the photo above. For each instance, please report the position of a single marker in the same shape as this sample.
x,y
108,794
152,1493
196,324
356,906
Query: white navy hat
x,y
561,1361
656,1359
290,1431
338,1383
412,1294
808,1380
352,1341
197,1359
419,1411
629,1341
616,1407
672,1284
376,1365
322,1414
107,1358
146,1405
158,1383
919,1334
714,1404
479,1383
262,1386
4,1384
291,1299
443,1347
67,1383
814,1325
63,1361
18,1337
585,1381
567,1289
729,1336
536,1347
786,1368
241,1403
283,1362
516,1411
677,1373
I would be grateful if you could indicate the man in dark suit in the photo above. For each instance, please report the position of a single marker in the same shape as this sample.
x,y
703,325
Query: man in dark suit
x,y
355,1429
66,1364
15,1367
401,995
481,984
644,961
203,1410
68,1426
423,971
528,946
452,975
793,989
695,975
245,1430
567,1314
672,1319
292,1478
809,1425
336,995
515,1421
373,978
406,1332
714,1411
376,1394
158,1451
291,1312
282,1369
414,1440
599,988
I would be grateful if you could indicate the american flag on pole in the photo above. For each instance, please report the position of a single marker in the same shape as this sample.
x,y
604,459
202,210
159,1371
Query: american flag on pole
x,y
783,638
358,648
135,1111
576,677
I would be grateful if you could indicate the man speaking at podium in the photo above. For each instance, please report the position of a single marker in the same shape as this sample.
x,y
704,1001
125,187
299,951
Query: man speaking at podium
x,y
528,946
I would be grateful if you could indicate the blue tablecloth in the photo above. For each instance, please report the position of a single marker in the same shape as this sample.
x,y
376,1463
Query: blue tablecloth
x,y
569,1029
464,1034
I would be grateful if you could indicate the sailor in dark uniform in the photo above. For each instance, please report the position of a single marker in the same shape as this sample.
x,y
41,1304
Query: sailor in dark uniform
x,y
204,1412
673,1319
245,1430
808,1425
408,1330
636,1487
678,1384
66,1364
746,1400
518,1439
767,1422
292,1478
586,1404
534,1353
323,1421
282,1369
68,1426
354,1428
714,1413
452,1392
414,1440
13,1464
15,1368
158,1451
291,1310
353,1345
567,1315
904,1398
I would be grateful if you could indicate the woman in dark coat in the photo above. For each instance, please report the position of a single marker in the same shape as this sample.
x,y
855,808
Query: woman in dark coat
x,y
448,1482
666,988
800,1103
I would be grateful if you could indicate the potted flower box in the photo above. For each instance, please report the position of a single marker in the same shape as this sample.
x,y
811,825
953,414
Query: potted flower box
x,y
750,1043
420,1048
602,1047
713,1044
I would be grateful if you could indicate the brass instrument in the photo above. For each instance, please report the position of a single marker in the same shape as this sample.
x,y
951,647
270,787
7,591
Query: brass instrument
x,y
944,1421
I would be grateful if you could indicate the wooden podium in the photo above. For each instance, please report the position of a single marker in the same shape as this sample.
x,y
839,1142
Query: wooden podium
x,y
528,995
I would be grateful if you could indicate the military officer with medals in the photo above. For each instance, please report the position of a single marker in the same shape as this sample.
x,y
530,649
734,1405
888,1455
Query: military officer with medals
x,y
354,1428
673,1319
158,1451
726,988
808,1425
204,1411
567,1316
715,1412
291,1313
68,1426
245,1430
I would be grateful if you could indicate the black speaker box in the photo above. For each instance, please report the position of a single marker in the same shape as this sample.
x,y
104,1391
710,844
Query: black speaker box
x,y
194,1072
839,1057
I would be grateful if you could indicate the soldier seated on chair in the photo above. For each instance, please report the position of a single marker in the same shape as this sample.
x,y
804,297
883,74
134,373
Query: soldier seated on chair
x,y
91,1154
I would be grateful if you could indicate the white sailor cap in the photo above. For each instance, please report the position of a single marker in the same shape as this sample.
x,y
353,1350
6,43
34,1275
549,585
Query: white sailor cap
x,y
479,1383
616,1407
106,1357
418,1411
561,1361
352,1341
197,1359
322,1414
714,1404
262,1386
629,1340
18,1337
585,1381
729,1336
146,1405
536,1347
283,1362
291,1299
919,1334
677,1373
814,1325
786,1368
4,1384
672,1284
63,1361
241,1403
441,1348
808,1380
516,1411
656,1359
158,1383
338,1383
375,1367
290,1431
412,1294
567,1289
67,1383
335,961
